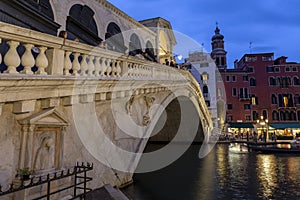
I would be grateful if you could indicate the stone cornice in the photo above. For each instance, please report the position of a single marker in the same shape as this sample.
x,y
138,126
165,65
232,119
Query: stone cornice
x,y
113,9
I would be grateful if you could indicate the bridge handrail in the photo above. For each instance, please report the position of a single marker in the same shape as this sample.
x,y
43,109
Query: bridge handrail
x,y
31,54
34,53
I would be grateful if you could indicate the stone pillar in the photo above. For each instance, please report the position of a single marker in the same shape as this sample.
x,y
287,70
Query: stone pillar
x,y
56,58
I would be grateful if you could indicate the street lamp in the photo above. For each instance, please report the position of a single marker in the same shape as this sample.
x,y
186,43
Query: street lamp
x,y
264,125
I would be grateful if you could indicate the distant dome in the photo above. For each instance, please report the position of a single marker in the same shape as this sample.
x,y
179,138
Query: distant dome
x,y
217,35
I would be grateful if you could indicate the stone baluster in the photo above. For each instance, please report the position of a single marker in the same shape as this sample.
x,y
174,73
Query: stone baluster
x,y
83,65
91,66
113,68
103,66
97,66
27,59
76,64
11,58
108,67
42,61
119,69
129,69
67,63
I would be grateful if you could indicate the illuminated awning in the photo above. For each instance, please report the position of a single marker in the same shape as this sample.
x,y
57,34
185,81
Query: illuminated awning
x,y
240,125
284,125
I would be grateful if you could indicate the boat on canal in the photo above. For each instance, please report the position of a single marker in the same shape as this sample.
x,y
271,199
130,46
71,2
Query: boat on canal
x,y
274,149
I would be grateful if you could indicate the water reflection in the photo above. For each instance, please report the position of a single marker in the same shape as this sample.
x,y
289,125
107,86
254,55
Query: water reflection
x,y
221,175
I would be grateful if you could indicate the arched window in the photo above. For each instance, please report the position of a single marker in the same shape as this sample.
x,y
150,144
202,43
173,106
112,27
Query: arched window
x,y
150,51
254,115
296,80
82,25
275,115
114,38
290,100
274,99
287,115
279,82
252,82
265,114
282,116
280,100
272,81
135,46
297,99
31,14
293,116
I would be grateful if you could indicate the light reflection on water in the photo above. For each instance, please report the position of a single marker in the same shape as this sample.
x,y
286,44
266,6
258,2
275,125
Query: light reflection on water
x,y
221,175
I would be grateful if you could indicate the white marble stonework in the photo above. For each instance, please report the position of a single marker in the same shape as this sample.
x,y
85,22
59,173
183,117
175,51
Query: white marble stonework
x,y
51,119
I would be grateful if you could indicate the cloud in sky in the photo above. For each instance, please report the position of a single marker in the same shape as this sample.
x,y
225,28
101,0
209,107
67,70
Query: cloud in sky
x,y
271,25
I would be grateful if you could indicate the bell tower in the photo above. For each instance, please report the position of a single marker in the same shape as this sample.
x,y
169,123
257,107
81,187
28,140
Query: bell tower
x,y
218,52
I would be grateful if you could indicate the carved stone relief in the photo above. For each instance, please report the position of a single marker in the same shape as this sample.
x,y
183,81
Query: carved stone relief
x,y
42,141
138,108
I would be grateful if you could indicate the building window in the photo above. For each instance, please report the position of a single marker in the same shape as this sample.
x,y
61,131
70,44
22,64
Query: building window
x,y
205,89
219,92
272,81
251,69
250,58
293,116
254,100
270,69
295,69
274,99
298,113
297,99
204,65
207,103
245,78
252,82
277,69
267,58
265,114
275,116
287,69
233,78
219,78
296,80
246,106
229,106
254,115
227,78
248,118
229,118
234,93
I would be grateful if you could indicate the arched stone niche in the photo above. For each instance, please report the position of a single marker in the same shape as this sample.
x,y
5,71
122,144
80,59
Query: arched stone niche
x,y
41,145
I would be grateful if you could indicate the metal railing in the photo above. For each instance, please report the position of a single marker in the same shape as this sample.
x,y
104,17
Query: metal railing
x,y
80,178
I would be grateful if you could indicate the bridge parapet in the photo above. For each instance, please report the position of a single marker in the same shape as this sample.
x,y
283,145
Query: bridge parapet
x,y
34,53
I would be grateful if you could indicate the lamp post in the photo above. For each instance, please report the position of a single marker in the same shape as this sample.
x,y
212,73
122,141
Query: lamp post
x,y
264,125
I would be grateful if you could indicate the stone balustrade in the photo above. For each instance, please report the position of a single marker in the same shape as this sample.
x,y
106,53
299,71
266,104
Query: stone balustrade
x,y
34,53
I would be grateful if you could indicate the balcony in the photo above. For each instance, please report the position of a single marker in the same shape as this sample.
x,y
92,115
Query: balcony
x,y
244,97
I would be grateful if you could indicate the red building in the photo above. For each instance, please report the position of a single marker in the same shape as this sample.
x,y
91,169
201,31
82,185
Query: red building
x,y
263,88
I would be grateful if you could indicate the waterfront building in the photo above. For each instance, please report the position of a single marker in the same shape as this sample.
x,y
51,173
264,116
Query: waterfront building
x,y
259,87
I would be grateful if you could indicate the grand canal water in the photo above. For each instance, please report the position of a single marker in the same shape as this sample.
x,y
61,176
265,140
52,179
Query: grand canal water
x,y
223,174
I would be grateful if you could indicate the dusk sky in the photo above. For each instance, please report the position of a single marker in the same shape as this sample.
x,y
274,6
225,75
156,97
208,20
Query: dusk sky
x,y
271,25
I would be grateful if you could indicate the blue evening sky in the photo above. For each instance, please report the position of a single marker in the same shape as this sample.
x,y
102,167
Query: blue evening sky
x,y
271,25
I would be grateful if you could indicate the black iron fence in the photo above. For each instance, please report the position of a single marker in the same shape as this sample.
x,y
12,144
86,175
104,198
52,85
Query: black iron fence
x,y
79,184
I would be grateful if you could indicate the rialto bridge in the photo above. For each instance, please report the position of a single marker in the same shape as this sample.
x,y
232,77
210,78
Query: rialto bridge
x,y
64,101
